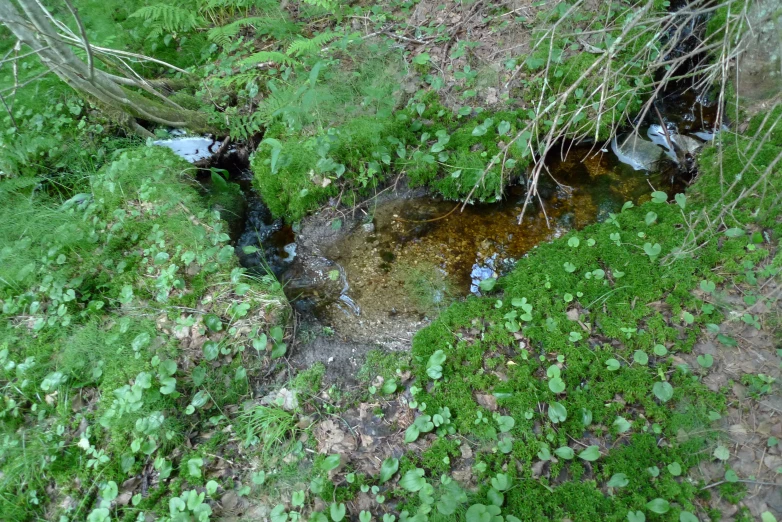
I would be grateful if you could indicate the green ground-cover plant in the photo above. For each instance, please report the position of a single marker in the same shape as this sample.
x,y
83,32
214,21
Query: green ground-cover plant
x,y
567,379
96,292
129,333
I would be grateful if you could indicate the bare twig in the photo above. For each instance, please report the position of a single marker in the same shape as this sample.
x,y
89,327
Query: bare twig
x,y
83,31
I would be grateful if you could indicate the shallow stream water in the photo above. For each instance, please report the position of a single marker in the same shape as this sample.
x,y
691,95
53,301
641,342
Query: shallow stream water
x,y
381,272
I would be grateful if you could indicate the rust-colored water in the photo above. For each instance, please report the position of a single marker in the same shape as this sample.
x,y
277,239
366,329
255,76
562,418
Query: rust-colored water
x,y
374,298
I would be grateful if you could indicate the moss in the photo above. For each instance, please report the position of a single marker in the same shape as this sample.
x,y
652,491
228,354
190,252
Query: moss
x,y
309,381
383,364
104,354
618,307
767,123
437,457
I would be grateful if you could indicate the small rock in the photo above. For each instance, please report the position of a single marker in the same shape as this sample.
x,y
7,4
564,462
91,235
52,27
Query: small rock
x,y
491,96
284,398
368,227
537,468
738,430
706,347
364,502
772,462
319,504
466,451
739,391
637,152
230,501
462,476
304,422
193,269
487,401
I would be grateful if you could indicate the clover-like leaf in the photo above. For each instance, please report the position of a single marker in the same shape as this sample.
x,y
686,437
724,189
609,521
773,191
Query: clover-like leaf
x,y
557,412
705,360
659,506
501,482
565,452
618,480
194,466
413,480
213,322
505,423
622,424
337,511
487,285
388,468
681,200
211,350
663,391
721,452
636,516
330,462
556,385
591,454
434,367
640,357
659,196
652,250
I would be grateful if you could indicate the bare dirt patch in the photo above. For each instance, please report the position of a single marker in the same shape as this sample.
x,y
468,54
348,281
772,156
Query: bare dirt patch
x,y
749,374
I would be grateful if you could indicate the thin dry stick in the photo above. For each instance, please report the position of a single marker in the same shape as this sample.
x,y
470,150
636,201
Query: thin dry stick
x,y
675,22
83,31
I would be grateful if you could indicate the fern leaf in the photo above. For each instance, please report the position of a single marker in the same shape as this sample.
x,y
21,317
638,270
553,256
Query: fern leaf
x,y
328,5
310,45
238,80
267,56
223,35
239,4
170,18
274,104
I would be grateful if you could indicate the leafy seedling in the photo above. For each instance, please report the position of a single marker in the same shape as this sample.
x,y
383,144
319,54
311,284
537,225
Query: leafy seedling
x,y
434,366
663,391
705,360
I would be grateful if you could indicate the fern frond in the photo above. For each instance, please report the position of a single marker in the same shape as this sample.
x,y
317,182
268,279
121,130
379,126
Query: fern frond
x,y
223,35
239,4
169,18
274,103
243,127
277,104
328,5
268,56
310,45
9,185
238,80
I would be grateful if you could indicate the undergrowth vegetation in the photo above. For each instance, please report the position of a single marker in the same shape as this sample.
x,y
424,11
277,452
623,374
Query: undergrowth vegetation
x,y
579,351
126,322
145,374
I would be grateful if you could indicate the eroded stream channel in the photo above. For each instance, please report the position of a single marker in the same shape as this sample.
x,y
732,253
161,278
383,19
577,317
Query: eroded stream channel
x,y
376,274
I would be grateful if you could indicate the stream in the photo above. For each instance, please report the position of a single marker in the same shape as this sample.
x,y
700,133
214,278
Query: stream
x,y
377,274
